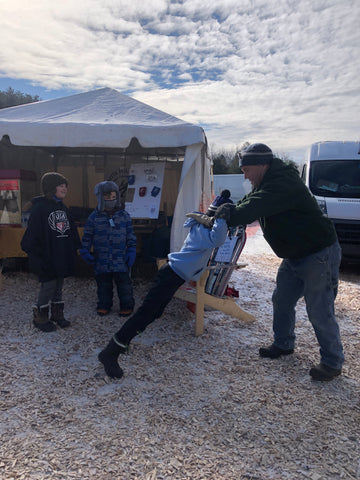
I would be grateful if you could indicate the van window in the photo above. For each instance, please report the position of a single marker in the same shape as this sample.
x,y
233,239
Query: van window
x,y
303,172
335,178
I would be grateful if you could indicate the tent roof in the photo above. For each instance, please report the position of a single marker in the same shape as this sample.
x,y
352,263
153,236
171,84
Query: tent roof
x,y
100,118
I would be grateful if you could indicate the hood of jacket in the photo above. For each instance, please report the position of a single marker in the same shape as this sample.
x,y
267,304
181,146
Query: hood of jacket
x,y
106,187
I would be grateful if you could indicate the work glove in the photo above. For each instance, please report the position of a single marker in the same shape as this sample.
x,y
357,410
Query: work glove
x,y
86,256
205,220
225,211
130,256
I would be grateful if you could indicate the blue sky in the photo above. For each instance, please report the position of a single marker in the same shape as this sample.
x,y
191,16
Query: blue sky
x,y
281,72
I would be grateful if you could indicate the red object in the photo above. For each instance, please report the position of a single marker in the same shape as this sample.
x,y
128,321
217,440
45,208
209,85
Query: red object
x,y
9,184
231,292
191,306
252,228
142,191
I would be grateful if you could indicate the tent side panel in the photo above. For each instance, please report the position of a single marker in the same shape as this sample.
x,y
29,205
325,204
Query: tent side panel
x,y
194,191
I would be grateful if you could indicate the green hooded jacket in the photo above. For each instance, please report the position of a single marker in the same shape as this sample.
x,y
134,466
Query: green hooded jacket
x,y
289,215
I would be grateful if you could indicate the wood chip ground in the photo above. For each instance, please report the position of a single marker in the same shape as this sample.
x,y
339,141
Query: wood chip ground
x,y
205,408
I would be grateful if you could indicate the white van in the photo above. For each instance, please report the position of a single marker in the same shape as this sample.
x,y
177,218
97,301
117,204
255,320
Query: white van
x,y
331,170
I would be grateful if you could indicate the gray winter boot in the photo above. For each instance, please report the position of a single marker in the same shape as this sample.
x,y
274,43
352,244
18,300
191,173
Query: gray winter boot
x,y
41,318
57,314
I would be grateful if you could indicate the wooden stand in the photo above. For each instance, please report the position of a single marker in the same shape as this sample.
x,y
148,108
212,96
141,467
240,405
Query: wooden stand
x,y
200,298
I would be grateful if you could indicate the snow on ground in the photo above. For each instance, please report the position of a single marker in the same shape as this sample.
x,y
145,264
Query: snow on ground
x,y
199,408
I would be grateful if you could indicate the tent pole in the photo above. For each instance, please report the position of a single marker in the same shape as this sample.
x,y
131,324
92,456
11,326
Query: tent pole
x,y
85,183
55,161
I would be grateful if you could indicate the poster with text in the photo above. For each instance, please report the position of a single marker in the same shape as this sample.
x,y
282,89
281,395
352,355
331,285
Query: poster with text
x,y
145,183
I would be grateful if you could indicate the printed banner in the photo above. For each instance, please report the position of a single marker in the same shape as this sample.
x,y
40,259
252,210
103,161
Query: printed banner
x,y
144,190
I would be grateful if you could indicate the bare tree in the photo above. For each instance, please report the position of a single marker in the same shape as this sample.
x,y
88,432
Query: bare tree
x,y
226,161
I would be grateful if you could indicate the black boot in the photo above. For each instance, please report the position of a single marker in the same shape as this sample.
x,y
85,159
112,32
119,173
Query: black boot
x,y
109,356
41,319
57,314
272,351
323,373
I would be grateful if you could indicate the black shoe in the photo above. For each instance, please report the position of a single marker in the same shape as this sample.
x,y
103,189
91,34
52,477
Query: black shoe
x,y
274,352
109,358
111,366
63,323
323,373
45,326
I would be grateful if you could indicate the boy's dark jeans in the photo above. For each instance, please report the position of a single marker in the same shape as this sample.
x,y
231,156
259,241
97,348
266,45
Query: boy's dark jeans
x,y
105,290
161,292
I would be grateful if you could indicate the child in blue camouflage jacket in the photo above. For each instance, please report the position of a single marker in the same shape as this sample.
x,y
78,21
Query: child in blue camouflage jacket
x,y
109,232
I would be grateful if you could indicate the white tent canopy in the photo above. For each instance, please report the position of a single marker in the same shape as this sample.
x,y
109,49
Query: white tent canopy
x,y
105,118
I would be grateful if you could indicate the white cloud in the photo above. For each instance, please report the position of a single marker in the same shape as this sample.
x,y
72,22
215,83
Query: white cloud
x,y
278,71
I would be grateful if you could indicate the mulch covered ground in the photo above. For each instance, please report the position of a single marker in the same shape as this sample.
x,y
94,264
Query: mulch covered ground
x,y
187,408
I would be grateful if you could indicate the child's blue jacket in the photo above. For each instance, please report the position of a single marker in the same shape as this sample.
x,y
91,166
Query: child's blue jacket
x,y
109,243
194,255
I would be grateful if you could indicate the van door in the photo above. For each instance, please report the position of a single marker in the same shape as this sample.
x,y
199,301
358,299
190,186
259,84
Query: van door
x,y
336,186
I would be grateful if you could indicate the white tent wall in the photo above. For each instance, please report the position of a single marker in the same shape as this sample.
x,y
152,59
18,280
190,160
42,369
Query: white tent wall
x,y
194,191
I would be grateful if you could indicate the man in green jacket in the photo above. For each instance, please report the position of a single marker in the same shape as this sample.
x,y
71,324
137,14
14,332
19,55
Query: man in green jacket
x,y
298,232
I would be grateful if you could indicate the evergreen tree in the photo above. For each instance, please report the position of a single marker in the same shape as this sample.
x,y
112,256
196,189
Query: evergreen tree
x,y
11,98
220,165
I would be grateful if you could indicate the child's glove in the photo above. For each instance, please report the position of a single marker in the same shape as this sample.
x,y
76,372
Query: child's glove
x,y
224,211
86,255
202,218
130,256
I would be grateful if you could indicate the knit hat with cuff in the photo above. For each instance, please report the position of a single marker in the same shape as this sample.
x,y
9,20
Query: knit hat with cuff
x,y
224,197
49,181
255,154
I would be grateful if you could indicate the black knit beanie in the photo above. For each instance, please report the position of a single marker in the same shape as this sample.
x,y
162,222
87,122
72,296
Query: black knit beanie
x,y
255,154
225,193
49,182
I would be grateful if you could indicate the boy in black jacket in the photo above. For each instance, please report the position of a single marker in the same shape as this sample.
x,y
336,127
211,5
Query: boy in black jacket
x,y
51,240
